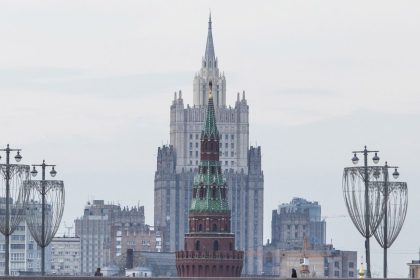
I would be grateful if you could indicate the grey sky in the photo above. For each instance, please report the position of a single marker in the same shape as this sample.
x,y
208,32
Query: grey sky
x,y
87,85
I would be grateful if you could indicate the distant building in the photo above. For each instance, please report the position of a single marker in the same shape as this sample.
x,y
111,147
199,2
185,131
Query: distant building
x,y
65,256
322,262
296,221
298,241
414,269
94,230
25,255
106,231
177,164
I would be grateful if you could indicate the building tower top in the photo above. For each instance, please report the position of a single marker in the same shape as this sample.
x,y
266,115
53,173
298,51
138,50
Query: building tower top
x,y
209,72
209,55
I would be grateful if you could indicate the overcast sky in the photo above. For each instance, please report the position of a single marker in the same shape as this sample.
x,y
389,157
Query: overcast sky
x,y
87,85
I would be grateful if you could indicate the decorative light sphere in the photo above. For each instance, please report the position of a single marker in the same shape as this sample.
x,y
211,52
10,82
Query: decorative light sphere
x,y
18,157
396,174
375,158
53,172
355,159
34,172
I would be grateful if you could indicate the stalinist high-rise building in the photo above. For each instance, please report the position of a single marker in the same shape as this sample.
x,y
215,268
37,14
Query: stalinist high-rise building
x,y
178,162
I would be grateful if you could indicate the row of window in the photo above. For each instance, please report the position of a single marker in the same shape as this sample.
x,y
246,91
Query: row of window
x,y
232,136
232,145
232,163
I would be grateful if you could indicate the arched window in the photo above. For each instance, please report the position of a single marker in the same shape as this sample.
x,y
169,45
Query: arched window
x,y
216,245
197,245
200,227
213,193
214,228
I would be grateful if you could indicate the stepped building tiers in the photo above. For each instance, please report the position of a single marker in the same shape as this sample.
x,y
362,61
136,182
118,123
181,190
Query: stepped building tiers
x,y
178,163
209,246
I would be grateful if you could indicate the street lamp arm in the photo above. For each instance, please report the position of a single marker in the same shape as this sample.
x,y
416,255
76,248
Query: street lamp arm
x,y
361,152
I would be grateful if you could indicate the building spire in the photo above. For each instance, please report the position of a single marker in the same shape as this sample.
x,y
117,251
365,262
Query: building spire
x,y
210,56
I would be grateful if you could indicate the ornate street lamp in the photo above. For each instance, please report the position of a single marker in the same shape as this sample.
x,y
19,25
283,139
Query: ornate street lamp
x,y
13,198
395,209
364,203
45,208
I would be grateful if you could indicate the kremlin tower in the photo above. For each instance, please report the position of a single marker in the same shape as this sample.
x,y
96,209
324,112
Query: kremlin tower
x,y
209,247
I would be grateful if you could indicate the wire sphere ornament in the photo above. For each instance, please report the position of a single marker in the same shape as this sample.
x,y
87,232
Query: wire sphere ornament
x,y
396,212
355,198
18,195
53,191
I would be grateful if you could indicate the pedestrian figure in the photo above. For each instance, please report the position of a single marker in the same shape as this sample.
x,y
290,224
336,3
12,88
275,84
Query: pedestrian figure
x,y
294,274
98,272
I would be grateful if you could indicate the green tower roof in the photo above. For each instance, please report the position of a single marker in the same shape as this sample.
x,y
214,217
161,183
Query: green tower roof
x,y
209,187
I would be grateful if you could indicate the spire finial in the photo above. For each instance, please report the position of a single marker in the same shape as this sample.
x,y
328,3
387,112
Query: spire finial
x,y
210,19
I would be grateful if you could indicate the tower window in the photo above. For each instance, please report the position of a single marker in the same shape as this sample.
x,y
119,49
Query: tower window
x,y
214,228
213,193
216,245
200,227
197,245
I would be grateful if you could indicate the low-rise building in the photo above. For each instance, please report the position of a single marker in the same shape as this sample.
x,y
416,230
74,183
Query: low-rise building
x,y
414,269
65,256
321,262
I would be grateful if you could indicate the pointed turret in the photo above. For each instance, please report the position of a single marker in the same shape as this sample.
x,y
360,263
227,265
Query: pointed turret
x,y
209,190
210,128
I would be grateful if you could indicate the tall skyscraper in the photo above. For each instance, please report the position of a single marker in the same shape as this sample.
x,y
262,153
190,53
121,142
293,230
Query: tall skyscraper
x,y
241,164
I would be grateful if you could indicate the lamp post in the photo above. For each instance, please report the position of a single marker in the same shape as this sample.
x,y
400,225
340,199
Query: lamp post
x,y
42,191
385,221
8,229
368,234
395,209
